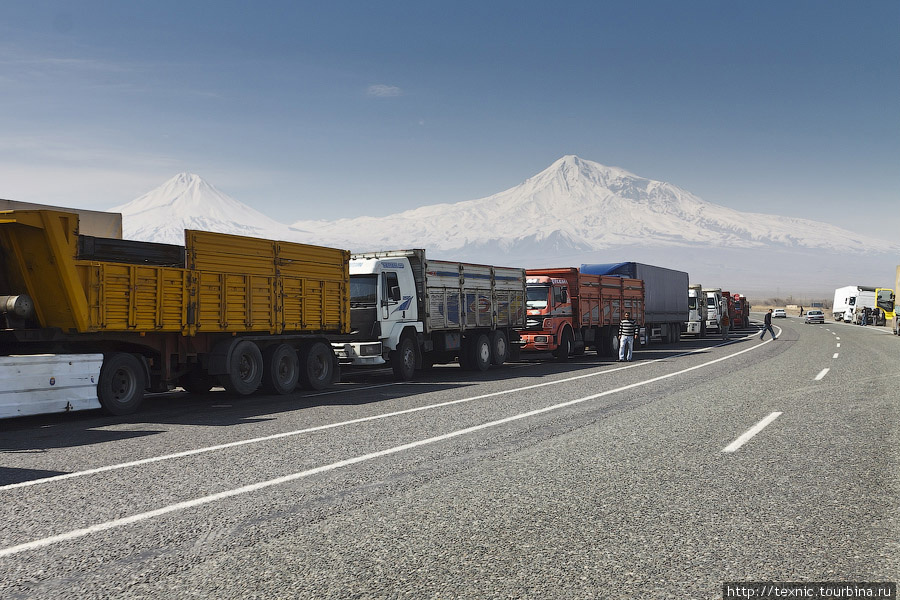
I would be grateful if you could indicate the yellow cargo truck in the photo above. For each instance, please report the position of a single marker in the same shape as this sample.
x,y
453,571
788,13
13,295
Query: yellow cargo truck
x,y
222,309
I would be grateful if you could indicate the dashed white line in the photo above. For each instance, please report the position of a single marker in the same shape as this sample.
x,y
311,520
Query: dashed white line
x,y
835,355
733,446
822,374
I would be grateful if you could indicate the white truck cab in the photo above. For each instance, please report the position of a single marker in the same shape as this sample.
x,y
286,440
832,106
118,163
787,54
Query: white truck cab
x,y
382,306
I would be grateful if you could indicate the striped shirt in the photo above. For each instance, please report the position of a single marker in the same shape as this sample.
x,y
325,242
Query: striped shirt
x,y
628,328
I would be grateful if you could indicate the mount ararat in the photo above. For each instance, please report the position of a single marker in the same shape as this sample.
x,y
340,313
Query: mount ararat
x,y
575,211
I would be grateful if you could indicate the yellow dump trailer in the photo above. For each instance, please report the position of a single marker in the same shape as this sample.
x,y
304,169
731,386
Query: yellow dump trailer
x,y
243,312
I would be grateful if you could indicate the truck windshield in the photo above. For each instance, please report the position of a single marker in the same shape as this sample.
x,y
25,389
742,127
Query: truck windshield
x,y
884,301
363,290
537,296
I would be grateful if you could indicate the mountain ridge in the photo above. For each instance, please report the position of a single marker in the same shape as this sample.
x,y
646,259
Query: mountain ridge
x,y
572,212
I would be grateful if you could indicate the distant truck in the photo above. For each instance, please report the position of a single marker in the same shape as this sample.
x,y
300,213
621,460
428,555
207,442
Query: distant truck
x,y
696,323
715,308
741,316
665,297
895,325
884,303
114,318
849,302
410,312
569,311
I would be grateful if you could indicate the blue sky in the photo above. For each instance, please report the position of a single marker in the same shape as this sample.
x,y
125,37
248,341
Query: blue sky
x,y
335,109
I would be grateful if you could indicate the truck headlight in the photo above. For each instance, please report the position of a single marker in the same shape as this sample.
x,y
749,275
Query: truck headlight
x,y
370,350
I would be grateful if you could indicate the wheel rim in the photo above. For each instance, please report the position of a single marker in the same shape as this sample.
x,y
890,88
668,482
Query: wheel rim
x,y
122,384
247,368
484,352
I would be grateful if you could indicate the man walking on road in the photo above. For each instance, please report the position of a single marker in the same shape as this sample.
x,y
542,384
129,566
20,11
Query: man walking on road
x,y
768,326
628,330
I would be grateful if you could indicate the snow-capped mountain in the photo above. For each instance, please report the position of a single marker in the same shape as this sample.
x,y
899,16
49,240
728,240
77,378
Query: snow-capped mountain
x,y
187,201
575,211
578,205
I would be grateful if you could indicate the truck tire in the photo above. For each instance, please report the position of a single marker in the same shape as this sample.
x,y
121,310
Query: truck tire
x,y
281,369
403,360
566,345
245,369
121,385
481,353
317,366
499,348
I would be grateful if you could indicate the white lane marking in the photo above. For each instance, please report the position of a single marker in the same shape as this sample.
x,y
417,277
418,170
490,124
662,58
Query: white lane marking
x,y
837,338
822,374
256,440
838,344
733,446
77,533
835,355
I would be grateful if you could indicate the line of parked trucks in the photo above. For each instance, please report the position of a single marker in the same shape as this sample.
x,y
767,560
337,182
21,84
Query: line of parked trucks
x,y
89,321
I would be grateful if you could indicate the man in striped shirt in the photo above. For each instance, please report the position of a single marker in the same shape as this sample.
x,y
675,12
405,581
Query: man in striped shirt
x,y
628,331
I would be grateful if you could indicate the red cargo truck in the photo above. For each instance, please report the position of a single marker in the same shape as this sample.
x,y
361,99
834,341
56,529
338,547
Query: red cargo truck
x,y
569,311
741,316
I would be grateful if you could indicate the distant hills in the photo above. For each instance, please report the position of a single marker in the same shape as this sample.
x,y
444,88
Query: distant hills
x,y
573,212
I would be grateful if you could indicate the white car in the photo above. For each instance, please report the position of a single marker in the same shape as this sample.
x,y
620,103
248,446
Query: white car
x,y
779,312
815,316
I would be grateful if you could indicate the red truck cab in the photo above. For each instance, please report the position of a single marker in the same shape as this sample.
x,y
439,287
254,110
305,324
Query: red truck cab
x,y
568,311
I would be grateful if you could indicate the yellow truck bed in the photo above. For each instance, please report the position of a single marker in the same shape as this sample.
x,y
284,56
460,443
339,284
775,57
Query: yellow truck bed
x,y
228,284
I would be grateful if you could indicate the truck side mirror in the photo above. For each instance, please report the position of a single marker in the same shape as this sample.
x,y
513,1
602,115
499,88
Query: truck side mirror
x,y
563,296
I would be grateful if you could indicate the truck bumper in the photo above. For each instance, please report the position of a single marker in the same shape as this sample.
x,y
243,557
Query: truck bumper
x,y
359,354
693,327
537,342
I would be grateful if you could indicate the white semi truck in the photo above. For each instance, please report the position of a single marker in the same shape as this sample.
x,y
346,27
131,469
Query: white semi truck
x,y
849,300
410,312
715,308
697,310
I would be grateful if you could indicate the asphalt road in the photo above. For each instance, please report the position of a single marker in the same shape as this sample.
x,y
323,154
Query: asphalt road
x,y
699,463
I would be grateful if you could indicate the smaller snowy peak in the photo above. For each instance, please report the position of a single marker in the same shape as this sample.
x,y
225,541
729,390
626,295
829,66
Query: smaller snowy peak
x,y
187,201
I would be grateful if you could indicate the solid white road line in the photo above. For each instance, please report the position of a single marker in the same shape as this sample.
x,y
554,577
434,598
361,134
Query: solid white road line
x,y
733,446
77,533
822,374
153,459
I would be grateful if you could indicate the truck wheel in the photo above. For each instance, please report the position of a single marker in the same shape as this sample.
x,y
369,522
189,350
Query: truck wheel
x,y
499,348
403,360
566,345
281,369
317,366
481,353
121,386
246,369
